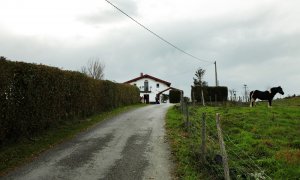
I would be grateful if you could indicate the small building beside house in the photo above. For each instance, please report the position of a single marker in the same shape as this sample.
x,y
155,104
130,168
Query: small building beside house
x,y
151,88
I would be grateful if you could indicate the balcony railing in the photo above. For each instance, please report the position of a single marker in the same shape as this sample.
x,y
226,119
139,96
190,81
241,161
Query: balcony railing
x,y
145,91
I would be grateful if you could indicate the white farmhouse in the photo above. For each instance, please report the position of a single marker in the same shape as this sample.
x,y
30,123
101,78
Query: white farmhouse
x,y
151,88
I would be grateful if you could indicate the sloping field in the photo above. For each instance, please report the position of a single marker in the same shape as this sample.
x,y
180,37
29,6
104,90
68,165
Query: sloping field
x,y
261,142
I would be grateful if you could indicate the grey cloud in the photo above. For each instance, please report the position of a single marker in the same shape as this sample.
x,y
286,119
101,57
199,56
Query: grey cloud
x,y
236,43
101,17
134,50
111,15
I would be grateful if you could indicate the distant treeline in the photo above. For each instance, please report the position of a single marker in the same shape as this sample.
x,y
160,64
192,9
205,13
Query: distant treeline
x,y
36,97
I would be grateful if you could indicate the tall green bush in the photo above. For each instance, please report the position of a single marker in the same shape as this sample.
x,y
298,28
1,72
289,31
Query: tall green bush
x,y
174,96
210,93
36,97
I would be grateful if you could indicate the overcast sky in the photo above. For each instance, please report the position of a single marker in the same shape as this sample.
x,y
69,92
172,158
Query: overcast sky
x,y
254,42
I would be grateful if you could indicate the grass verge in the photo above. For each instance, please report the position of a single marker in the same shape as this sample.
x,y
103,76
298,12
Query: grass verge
x,y
180,145
261,142
21,152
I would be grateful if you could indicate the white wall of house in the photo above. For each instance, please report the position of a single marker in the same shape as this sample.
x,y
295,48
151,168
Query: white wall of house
x,y
154,87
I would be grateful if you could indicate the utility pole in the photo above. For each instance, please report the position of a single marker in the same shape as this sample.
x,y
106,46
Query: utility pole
x,y
245,86
217,84
234,94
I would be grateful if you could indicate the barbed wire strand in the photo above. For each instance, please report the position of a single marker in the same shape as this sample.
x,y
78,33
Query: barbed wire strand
x,y
211,130
262,170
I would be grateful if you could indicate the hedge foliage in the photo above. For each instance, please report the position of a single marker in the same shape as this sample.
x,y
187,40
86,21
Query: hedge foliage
x,y
174,96
210,93
36,97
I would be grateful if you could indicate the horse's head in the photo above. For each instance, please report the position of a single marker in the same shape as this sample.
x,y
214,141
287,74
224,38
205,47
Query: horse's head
x,y
279,90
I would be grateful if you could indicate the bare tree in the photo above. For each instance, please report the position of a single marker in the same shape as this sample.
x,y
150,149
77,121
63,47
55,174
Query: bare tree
x,y
94,68
198,81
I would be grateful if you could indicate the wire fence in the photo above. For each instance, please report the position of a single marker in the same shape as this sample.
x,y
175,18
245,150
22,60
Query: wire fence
x,y
206,150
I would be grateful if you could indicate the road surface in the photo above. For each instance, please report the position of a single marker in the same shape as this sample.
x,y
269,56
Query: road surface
x,y
129,146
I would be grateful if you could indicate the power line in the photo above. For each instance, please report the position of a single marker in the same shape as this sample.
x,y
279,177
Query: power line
x,y
158,36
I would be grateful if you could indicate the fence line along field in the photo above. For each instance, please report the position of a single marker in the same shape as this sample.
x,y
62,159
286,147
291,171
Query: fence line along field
x,y
261,142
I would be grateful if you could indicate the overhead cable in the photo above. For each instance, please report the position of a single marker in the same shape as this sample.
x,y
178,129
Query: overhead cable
x,y
158,36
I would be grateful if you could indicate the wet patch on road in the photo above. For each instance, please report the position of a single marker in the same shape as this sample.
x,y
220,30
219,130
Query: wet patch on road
x,y
133,161
86,151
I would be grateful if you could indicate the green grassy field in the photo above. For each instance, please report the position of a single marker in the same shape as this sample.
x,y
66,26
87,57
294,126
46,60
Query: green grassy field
x,y
261,142
23,151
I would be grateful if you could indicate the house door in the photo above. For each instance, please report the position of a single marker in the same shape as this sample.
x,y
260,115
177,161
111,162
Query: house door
x,y
146,98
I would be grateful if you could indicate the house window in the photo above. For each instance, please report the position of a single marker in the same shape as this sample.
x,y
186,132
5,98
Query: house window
x,y
146,86
157,85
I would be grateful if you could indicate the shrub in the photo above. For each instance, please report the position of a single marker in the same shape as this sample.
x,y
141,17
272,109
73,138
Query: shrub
x,y
210,93
174,96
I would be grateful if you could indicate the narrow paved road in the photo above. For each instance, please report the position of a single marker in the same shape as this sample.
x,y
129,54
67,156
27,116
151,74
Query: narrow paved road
x,y
129,146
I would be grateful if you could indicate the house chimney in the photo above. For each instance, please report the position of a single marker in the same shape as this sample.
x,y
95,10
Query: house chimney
x,y
142,74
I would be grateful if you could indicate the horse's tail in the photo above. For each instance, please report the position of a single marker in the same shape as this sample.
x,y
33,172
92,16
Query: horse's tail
x,y
250,96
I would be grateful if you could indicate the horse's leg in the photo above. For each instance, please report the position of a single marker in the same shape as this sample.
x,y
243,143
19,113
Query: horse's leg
x,y
252,99
250,96
270,103
252,102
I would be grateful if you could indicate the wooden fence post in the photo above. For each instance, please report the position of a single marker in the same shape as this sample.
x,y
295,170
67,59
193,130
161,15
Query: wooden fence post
x,y
203,101
222,147
187,115
203,143
193,95
181,102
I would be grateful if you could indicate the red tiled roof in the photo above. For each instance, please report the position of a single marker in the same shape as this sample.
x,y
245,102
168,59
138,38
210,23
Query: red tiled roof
x,y
150,77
